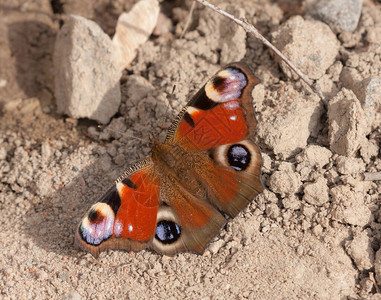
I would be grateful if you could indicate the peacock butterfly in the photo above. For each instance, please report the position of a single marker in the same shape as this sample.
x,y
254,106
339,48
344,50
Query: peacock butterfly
x,y
174,200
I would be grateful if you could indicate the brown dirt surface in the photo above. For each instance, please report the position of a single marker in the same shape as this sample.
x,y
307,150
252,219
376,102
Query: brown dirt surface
x,y
314,233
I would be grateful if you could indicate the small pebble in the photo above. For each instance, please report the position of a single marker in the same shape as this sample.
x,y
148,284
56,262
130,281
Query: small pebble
x,y
340,15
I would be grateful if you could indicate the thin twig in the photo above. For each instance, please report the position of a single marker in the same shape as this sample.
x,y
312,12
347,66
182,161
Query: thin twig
x,y
252,30
189,18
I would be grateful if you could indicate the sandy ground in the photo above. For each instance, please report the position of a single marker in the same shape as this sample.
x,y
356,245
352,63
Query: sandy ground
x,y
313,234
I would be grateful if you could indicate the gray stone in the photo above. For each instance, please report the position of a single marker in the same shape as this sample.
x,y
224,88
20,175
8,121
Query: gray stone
x,y
340,15
86,77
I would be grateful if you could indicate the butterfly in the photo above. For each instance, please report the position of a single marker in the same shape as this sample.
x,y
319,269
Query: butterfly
x,y
208,166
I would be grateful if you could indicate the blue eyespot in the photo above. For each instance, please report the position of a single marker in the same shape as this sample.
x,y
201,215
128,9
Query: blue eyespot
x,y
167,232
239,157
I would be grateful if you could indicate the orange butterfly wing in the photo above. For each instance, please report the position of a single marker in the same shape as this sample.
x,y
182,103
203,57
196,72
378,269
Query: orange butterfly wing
x,y
219,122
220,113
211,138
208,164
125,216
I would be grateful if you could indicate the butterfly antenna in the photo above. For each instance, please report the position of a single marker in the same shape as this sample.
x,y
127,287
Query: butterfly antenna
x,y
169,100
172,93
189,19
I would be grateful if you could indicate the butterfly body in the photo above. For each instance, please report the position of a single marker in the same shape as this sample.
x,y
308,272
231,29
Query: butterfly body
x,y
208,165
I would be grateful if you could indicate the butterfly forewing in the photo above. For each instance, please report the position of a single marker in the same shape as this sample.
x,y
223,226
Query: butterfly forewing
x,y
220,113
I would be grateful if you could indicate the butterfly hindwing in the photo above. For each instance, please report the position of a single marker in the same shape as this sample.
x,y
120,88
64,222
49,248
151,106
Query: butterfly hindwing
x,y
185,222
234,176
125,216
